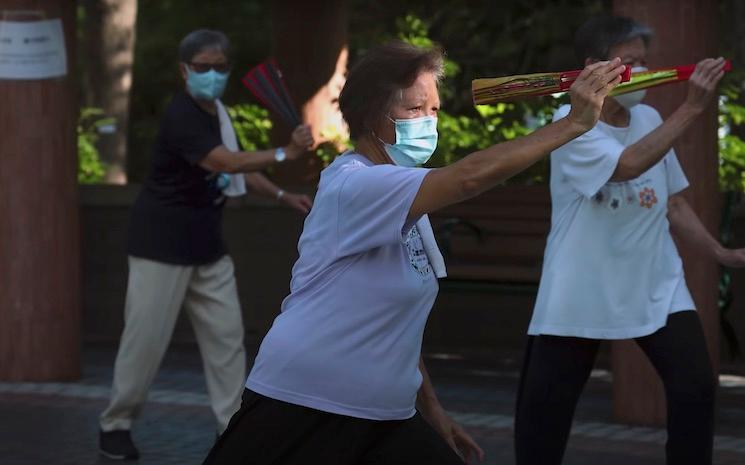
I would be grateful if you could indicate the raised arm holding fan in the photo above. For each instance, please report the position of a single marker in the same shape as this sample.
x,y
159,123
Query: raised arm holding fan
x,y
488,91
339,377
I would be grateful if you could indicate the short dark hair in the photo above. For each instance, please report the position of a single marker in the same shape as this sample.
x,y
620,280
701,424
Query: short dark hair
x,y
377,79
201,40
597,36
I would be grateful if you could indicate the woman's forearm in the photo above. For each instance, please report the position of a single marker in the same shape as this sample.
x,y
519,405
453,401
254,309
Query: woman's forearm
x,y
426,399
687,226
642,155
486,168
222,160
247,162
260,184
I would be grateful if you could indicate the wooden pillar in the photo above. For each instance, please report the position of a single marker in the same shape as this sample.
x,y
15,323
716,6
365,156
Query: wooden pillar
x,y
685,32
39,250
310,45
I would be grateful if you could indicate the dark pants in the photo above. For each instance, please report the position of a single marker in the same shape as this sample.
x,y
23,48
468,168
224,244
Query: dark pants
x,y
266,431
556,369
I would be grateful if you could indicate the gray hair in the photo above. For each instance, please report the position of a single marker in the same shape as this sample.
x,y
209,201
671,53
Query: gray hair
x,y
596,37
201,40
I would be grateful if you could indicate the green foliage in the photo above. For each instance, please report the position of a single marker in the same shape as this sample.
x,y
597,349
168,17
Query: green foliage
x,y
90,167
462,134
485,38
327,151
334,143
252,125
731,132
253,128
415,31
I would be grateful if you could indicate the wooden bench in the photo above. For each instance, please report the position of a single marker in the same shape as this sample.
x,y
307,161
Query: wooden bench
x,y
496,240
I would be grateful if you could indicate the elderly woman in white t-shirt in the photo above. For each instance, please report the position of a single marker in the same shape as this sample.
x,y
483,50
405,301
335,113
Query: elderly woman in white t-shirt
x,y
338,378
611,268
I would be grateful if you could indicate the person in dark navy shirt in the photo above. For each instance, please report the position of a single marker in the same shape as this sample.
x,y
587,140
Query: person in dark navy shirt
x,y
177,257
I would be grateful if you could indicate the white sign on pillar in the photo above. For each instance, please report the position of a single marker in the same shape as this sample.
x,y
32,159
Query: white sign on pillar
x,y
32,49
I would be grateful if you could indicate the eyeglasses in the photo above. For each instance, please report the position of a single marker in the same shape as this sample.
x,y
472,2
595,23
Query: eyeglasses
x,y
204,67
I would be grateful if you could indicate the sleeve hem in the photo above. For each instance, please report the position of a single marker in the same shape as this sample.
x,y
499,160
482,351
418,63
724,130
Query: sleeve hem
x,y
405,221
678,189
610,163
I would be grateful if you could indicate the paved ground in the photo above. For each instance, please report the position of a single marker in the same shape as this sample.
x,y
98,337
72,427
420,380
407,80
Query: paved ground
x,y
56,423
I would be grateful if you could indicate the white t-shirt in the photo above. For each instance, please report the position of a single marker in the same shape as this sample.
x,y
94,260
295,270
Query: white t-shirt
x,y
611,269
349,337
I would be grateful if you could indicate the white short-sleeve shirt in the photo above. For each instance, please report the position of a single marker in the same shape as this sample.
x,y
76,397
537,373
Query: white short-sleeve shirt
x,y
349,336
611,269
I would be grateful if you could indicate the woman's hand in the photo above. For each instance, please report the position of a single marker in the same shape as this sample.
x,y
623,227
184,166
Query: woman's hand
x,y
461,442
300,142
703,83
733,258
589,91
299,202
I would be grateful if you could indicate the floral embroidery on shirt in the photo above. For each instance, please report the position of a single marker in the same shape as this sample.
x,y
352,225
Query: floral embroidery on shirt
x,y
417,255
647,197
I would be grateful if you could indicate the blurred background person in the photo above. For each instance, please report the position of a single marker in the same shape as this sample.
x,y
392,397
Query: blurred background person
x,y
611,269
177,257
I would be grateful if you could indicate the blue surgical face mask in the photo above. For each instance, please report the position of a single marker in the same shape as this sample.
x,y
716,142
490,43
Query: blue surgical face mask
x,y
416,141
209,85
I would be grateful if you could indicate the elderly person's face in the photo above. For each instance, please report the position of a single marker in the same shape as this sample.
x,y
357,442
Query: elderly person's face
x,y
202,62
206,76
421,99
633,53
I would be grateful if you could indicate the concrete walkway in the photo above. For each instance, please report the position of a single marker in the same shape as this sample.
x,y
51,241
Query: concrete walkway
x,y
56,423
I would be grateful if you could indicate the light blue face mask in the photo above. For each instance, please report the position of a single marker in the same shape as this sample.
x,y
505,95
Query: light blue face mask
x,y
206,86
416,141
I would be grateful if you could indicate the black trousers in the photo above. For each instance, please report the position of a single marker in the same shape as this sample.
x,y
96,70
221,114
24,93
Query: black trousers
x,y
556,369
265,431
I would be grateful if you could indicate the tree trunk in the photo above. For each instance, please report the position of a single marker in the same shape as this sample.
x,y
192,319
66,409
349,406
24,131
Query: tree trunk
x,y
685,32
310,45
110,38
39,233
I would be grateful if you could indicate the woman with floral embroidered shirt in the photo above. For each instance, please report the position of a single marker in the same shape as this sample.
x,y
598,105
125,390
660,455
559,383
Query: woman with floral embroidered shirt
x,y
611,269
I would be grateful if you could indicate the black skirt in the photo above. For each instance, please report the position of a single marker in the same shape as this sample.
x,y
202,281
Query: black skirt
x,y
266,431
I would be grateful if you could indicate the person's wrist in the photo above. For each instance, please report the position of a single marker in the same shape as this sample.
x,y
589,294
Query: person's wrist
x,y
721,254
293,151
691,109
575,127
433,414
280,195
430,404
